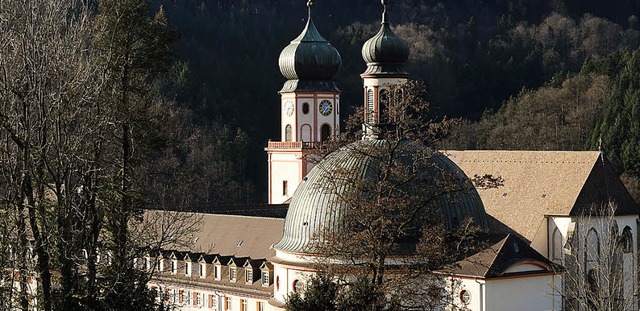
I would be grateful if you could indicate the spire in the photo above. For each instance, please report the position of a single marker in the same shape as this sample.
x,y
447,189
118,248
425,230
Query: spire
x,y
384,12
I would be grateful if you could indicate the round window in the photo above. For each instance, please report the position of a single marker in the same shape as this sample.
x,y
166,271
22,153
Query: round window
x,y
465,296
298,287
305,108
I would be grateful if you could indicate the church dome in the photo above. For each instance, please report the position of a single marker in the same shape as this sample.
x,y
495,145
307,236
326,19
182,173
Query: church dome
x,y
315,207
310,62
385,53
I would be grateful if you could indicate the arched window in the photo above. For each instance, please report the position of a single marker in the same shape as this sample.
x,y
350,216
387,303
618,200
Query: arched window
x,y
370,106
305,108
626,240
593,246
383,106
325,132
556,246
287,133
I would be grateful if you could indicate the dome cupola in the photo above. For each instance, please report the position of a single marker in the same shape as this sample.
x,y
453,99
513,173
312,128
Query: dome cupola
x,y
320,203
309,62
385,53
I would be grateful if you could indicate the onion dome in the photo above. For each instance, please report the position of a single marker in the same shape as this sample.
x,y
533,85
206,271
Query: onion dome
x,y
310,62
385,53
319,205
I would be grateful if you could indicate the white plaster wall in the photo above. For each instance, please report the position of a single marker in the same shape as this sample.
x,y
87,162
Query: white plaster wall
x,y
286,276
252,302
540,240
522,294
475,287
284,166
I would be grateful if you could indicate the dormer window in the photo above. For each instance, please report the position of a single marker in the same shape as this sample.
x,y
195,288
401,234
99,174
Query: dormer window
x,y
217,273
160,265
248,275
203,270
174,266
187,269
232,274
147,263
266,273
265,278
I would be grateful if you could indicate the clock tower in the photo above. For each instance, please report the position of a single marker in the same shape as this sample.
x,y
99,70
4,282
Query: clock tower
x,y
310,108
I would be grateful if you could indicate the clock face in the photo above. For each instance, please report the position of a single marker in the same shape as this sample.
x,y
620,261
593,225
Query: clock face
x,y
325,107
288,107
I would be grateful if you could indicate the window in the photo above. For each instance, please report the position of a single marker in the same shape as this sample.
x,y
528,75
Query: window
x,y
187,298
626,240
198,298
232,274
305,108
217,273
211,301
174,266
265,278
243,305
248,275
160,264
465,297
298,287
203,270
187,269
325,132
147,263
556,246
285,187
277,282
287,133
383,104
593,247
260,306
370,106
181,296
227,303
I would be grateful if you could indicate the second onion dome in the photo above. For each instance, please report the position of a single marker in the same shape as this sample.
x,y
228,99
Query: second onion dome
x,y
385,53
310,62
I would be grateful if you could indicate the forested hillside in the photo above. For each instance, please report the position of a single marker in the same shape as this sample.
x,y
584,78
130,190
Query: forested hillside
x,y
545,68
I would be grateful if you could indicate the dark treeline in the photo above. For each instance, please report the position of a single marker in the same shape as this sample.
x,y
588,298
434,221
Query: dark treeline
x,y
475,57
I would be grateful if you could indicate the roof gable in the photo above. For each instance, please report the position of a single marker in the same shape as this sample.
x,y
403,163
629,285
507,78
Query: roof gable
x,y
509,256
539,183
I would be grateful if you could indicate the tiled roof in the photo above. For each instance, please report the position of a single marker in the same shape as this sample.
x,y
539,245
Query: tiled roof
x,y
231,235
496,260
539,183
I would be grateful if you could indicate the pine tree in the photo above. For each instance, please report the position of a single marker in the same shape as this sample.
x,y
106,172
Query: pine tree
x,y
620,125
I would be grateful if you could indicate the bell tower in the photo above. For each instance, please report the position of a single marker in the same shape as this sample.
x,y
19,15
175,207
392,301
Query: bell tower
x,y
310,108
385,54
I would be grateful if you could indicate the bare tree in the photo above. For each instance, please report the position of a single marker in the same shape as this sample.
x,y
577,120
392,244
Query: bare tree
x,y
599,260
404,211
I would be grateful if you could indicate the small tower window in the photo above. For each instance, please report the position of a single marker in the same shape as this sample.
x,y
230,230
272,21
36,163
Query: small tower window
x,y
383,105
370,106
305,108
285,187
287,132
325,132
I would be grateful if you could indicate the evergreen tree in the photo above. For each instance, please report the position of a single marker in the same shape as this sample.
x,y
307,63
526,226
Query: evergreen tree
x,y
619,129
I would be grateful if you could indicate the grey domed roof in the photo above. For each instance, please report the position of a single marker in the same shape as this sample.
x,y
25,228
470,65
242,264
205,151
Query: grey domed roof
x,y
310,62
385,53
315,208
